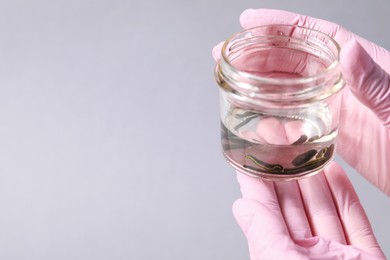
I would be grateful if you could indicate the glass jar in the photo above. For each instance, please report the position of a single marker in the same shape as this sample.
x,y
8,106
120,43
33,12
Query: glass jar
x,y
279,101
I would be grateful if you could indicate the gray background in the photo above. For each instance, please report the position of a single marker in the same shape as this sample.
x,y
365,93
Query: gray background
x,y
109,129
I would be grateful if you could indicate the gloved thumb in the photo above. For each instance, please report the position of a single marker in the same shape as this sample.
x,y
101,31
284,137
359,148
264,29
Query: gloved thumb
x,y
369,83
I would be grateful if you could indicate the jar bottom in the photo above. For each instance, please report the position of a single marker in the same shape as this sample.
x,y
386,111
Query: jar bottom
x,y
276,177
277,162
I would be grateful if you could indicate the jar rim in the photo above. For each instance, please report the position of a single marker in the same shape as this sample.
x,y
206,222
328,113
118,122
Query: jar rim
x,y
304,79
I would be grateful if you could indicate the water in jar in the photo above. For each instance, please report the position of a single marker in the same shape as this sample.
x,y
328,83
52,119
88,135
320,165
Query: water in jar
x,y
280,144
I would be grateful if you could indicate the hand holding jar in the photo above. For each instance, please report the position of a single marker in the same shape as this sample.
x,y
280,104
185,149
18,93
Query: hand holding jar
x,y
320,216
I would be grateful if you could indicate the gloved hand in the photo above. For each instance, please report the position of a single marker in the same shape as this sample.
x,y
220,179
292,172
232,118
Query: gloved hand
x,y
364,137
314,218
321,217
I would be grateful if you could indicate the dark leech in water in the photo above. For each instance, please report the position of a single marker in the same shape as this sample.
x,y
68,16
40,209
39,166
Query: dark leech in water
x,y
264,165
245,114
304,162
321,153
311,165
329,151
301,140
246,121
304,158
231,141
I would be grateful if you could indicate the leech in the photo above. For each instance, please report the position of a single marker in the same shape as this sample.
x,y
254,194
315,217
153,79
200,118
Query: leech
x,y
245,114
313,138
329,151
264,165
246,121
304,158
301,140
322,152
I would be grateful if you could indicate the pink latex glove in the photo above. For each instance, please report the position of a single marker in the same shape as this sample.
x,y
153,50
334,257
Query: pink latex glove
x,y
364,138
321,217
314,218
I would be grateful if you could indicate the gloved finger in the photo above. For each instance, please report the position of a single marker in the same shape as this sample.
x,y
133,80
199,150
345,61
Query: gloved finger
x,y
268,129
272,131
321,248
258,198
298,131
293,210
268,237
356,225
363,133
261,60
320,209
257,17
217,51
267,234
368,81
258,190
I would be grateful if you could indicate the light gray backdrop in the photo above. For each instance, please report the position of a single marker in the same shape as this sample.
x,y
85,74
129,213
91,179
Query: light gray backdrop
x,y
109,129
